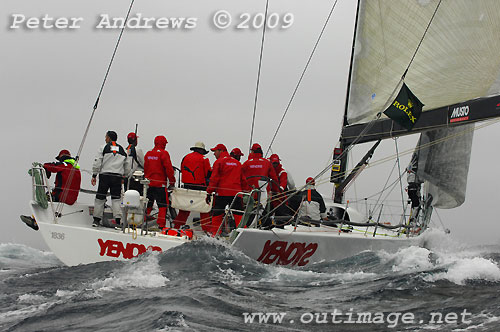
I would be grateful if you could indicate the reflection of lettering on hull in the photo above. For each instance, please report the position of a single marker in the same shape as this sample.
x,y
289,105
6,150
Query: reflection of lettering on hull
x,y
294,254
116,248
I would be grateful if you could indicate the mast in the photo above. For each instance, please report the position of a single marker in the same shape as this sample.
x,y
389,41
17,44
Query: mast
x,y
340,158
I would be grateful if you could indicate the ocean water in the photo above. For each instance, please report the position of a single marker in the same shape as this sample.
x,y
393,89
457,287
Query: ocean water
x,y
208,286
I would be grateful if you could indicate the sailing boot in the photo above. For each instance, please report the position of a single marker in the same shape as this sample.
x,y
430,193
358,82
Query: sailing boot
x,y
180,219
161,221
216,222
117,210
97,222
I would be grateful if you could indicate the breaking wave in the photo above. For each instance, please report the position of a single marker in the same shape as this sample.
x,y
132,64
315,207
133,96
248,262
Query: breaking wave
x,y
207,286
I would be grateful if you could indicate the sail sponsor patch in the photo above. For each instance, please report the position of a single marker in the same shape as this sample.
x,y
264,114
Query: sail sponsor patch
x,y
459,114
285,253
405,109
116,249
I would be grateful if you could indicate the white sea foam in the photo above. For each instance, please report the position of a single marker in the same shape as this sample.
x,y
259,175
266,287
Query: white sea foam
x,y
31,299
408,259
228,275
142,273
61,293
19,256
460,262
464,269
484,318
36,304
15,315
283,274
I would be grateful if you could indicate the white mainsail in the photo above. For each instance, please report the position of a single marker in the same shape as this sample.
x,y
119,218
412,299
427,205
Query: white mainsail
x,y
458,58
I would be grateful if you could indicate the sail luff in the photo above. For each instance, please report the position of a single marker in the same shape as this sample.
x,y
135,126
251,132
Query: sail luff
x,y
339,175
349,77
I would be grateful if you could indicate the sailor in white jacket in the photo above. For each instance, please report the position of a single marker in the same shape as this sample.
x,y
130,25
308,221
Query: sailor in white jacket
x,y
111,164
313,205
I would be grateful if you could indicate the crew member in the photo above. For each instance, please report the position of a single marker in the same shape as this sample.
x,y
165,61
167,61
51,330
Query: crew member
x,y
158,169
257,167
226,181
136,159
285,185
195,174
236,154
313,205
68,178
112,164
257,170
414,185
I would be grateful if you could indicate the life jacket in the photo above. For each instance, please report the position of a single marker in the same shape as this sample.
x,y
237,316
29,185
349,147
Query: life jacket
x,y
178,232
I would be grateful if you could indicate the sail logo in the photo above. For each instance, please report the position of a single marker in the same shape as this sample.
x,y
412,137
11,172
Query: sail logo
x,y
284,253
406,109
116,249
459,114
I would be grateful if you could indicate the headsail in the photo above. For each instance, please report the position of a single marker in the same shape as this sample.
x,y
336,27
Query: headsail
x,y
442,160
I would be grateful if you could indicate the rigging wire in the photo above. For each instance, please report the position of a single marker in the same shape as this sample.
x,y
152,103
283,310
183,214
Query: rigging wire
x,y
401,174
421,40
301,76
399,83
70,177
104,80
258,74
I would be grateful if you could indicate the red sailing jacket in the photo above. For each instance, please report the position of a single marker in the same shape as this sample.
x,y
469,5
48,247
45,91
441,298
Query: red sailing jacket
x,y
63,170
157,165
195,169
282,177
227,178
257,166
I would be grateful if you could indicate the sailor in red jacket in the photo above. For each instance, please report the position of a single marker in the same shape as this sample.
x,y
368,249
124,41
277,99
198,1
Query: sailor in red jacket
x,y
236,154
227,181
195,172
285,185
159,171
256,166
68,178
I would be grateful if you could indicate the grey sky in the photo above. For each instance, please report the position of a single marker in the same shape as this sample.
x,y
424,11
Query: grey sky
x,y
192,85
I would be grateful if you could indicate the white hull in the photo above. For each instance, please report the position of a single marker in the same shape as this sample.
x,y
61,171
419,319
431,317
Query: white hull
x,y
74,241
307,245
